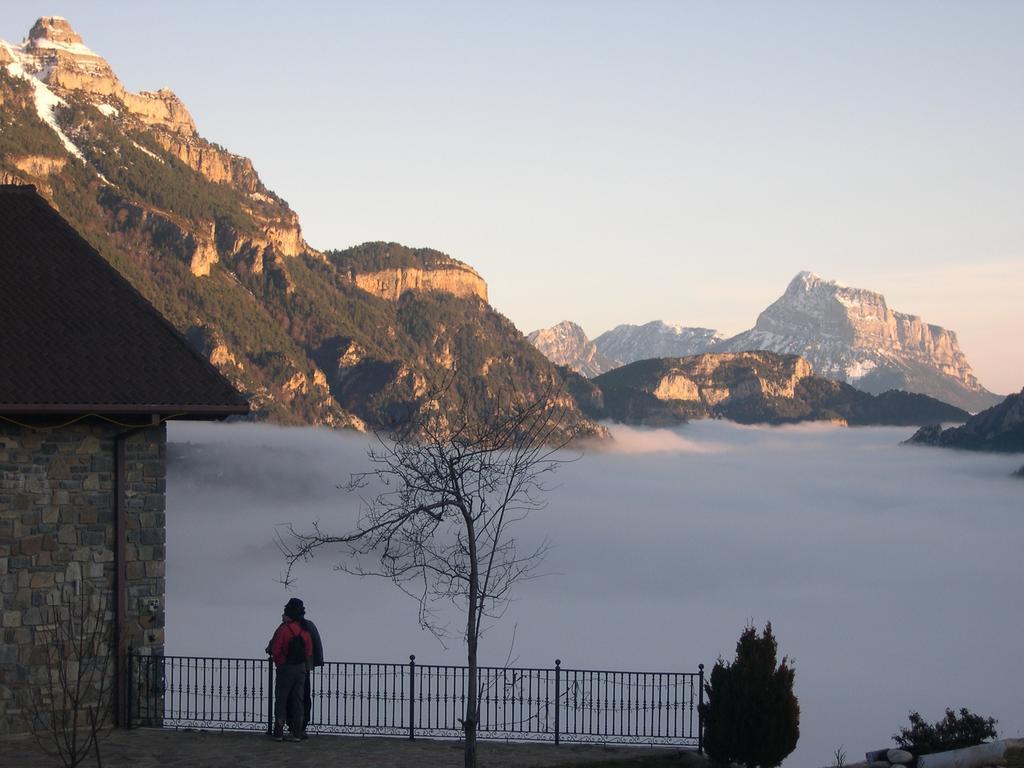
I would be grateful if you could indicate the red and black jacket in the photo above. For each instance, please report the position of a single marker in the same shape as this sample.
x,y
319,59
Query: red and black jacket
x,y
284,634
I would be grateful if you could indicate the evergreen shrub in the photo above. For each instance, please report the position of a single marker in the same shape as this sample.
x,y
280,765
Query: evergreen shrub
x,y
751,715
954,731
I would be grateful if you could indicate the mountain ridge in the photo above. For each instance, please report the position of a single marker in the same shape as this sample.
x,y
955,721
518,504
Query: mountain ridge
x,y
345,338
630,343
747,387
846,334
341,338
567,344
999,428
851,334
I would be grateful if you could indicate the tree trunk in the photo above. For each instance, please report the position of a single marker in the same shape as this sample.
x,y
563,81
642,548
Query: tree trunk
x,y
469,724
472,630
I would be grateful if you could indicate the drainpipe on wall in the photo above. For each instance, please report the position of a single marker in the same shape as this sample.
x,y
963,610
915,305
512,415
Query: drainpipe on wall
x,y
120,690
120,585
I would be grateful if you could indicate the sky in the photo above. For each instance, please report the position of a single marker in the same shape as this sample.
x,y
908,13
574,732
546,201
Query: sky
x,y
619,162
891,574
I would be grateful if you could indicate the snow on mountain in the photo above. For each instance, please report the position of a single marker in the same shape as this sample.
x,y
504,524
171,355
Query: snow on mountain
x,y
852,335
630,343
56,62
845,333
28,68
567,344
199,234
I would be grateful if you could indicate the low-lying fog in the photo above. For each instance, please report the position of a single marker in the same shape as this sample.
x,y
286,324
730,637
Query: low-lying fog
x,y
892,575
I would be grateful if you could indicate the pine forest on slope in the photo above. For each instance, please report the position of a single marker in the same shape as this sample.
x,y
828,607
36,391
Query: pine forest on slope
x,y
999,428
346,338
349,338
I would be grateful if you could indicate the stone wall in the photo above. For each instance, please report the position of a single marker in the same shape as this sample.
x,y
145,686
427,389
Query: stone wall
x,y
57,538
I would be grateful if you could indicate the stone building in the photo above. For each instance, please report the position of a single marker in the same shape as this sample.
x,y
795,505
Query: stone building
x,y
90,373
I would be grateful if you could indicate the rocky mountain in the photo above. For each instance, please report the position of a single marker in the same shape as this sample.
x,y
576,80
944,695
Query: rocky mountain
x,y
851,335
846,334
630,343
566,344
748,387
388,270
999,428
352,337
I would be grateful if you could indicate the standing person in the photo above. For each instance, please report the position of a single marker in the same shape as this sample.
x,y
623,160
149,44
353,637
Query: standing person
x,y
317,660
291,648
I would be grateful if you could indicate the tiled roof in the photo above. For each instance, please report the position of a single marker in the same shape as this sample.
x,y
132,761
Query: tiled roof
x,y
76,337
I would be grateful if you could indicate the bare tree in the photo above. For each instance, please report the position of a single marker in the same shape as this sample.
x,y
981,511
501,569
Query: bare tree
x,y
69,710
442,527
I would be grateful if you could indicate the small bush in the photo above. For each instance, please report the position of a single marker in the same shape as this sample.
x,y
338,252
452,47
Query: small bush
x,y
951,732
751,716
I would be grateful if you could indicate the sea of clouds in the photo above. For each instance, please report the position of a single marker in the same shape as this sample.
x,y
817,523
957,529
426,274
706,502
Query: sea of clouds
x,y
892,575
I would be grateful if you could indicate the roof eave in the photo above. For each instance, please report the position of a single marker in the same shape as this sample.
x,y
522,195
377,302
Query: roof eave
x,y
169,410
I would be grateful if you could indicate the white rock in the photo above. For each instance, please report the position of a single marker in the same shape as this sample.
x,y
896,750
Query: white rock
x,y
900,756
969,757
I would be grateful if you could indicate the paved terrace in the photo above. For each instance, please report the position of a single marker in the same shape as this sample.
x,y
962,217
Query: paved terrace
x,y
152,747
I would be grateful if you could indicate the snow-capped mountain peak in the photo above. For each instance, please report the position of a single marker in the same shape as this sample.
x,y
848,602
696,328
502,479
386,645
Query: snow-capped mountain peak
x,y
567,344
630,343
845,333
59,63
851,334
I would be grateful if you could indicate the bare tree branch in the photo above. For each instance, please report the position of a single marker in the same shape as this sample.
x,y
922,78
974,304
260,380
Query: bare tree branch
x,y
440,527
70,711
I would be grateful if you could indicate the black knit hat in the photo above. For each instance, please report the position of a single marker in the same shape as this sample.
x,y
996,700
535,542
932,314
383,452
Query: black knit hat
x,y
294,609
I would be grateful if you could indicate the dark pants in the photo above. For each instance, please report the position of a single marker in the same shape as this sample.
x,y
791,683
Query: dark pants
x,y
289,690
307,704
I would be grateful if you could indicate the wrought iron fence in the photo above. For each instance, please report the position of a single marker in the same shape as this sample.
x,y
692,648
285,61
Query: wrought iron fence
x,y
515,703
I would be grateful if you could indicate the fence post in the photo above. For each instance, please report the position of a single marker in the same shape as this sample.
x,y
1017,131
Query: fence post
x,y
558,677
270,695
412,696
700,714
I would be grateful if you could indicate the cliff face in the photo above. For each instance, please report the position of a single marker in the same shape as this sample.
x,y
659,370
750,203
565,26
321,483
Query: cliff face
x,y
852,335
710,380
55,52
214,163
122,137
388,270
566,344
389,284
354,338
748,387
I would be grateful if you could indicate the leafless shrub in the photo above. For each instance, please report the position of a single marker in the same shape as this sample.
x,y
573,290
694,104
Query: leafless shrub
x,y
68,701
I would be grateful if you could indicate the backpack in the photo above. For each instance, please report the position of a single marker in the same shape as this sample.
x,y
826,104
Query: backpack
x,y
296,649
